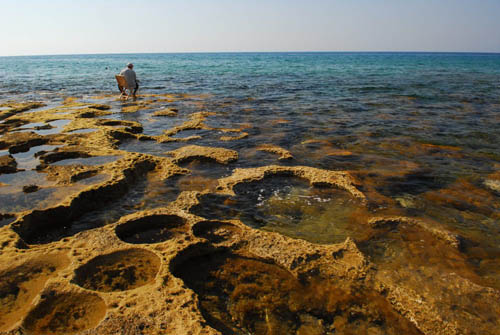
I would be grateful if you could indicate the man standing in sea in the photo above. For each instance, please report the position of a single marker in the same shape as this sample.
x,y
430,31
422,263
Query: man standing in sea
x,y
130,78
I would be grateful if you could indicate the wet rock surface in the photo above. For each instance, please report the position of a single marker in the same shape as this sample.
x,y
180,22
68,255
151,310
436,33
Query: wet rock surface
x,y
119,271
216,231
201,235
153,229
166,112
65,313
14,107
7,164
20,285
191,152
282,153
241,295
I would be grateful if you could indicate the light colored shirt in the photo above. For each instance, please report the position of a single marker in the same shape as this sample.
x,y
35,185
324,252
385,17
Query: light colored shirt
x,y
130,77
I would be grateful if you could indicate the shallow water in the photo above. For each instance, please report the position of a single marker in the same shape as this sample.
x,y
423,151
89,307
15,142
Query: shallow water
x,y
53,127
28,160
149,193
417,131
241,295
83,131
15,199
289,206
98,160
406,123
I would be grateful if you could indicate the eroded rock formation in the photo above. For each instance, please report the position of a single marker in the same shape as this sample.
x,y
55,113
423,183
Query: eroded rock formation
x,y
96,262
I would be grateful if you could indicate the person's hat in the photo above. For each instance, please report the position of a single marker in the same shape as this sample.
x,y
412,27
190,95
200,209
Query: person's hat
x,y
130,65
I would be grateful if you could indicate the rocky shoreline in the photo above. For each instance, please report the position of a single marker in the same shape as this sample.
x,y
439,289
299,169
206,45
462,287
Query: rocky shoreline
x,y
166,270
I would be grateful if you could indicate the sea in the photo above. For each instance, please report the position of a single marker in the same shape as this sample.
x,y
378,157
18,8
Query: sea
x,y
419,131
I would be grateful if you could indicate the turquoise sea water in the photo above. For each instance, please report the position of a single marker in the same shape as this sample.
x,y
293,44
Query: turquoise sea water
x,y
354,84
418,132
322,76
419,129
448,98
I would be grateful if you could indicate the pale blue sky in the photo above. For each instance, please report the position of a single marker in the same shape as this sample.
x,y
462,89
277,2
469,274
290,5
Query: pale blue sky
x,y
110,26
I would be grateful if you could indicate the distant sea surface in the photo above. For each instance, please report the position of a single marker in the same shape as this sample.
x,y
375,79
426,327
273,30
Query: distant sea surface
x,y
347,80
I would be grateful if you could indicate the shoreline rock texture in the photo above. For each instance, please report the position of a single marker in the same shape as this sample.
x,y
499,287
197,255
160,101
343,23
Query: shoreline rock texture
x,y
274,149
105,261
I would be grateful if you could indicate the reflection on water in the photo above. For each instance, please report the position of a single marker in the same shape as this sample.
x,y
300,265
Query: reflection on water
x,y
6,220
32,125
152,192
208,169
28,160
83,131
15,181
43,198
97,160
41,128
14,199
97,179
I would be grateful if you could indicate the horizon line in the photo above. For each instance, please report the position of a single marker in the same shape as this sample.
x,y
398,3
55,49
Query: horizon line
x,y
249,52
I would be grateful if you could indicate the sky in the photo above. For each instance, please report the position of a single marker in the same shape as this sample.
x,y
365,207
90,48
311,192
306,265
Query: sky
x,y
48,27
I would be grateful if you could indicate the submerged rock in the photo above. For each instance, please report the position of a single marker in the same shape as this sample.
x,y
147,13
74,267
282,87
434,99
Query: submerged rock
x,y
282,153
30,188
492,184
21,142
240,136
8,164
189,152
316,177
166,112
241,294
18,107
138,249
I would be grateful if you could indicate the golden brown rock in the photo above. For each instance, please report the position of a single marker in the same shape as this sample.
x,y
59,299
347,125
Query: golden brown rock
x,y
282,153
318,177
65,313
240,136
7,164
21,283
196,121
166,112
434,229
189,152
164,270
21,142
17,107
